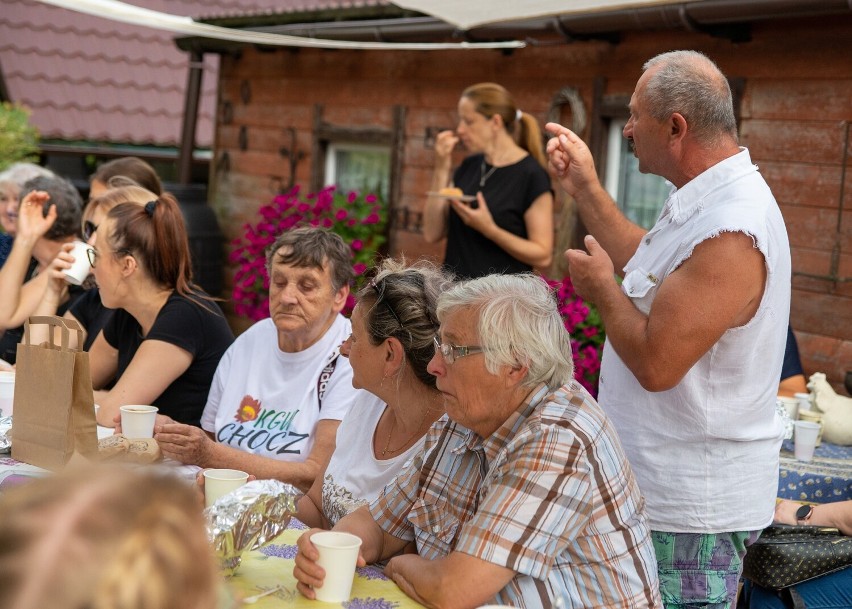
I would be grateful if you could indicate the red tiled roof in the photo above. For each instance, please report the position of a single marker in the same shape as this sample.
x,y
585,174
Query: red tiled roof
x,y
87,78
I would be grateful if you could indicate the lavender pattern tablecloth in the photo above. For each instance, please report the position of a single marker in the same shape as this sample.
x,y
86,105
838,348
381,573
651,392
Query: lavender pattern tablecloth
x,y
825,479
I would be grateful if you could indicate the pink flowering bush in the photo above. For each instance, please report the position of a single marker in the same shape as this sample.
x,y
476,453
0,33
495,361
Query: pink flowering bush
x,y
359,218
583,323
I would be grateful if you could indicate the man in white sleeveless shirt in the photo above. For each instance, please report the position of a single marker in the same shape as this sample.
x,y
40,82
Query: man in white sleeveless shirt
x,y
696,330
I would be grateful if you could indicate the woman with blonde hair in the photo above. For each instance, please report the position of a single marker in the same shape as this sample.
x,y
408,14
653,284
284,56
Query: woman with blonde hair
x,y
508,226
163,342
105,538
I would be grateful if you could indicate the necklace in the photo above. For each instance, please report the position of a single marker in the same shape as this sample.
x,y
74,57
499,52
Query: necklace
x,y
414,435
483,176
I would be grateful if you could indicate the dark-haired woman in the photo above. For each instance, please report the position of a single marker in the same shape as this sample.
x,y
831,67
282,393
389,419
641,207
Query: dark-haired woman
x,y
128,167
509,227
393,330
165,339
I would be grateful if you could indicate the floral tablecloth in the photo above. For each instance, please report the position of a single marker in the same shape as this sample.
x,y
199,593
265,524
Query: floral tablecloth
x,y
827,478
272,566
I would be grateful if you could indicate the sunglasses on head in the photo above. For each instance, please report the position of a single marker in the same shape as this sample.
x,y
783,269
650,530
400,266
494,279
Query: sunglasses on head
x,y
89,229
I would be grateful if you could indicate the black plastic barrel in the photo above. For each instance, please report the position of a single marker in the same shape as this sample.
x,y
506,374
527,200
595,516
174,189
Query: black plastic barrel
x,y
206,241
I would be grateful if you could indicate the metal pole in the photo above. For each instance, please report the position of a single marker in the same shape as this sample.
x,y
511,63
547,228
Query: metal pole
x,y
190,116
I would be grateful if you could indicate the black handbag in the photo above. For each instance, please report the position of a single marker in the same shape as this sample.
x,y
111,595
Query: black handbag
x,y
786,555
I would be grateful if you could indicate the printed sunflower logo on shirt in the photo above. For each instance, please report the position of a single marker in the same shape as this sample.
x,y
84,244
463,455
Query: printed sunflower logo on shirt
x,y
263,430
248,410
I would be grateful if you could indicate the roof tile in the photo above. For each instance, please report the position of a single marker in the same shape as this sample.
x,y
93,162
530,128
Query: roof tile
x,y
94,79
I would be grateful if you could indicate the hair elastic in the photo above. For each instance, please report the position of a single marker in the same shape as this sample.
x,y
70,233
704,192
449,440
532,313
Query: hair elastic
x,y
149,207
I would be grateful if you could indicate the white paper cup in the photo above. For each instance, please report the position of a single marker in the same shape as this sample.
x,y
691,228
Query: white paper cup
x,y
137,421
338,554
81,268
804,400
7,392
219,482
805,436
791,405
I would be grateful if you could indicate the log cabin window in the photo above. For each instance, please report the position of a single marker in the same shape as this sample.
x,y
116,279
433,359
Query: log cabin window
x,y
359,167
640,196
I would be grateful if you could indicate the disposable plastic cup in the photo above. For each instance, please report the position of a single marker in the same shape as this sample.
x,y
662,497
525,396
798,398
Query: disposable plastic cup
x,y
220,482
137,421
805,436
812,416
338,554
82,267
791,405
804,400
7,393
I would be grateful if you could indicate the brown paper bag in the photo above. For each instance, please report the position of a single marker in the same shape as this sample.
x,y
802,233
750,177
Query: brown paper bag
x,y
54,414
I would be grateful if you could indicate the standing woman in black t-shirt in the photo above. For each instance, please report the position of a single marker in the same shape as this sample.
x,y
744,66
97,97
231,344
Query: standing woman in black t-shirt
x,y
165,339
508,228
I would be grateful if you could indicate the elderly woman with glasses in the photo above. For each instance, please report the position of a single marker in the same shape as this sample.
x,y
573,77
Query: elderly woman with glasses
x,y
522,495
393,326
163,342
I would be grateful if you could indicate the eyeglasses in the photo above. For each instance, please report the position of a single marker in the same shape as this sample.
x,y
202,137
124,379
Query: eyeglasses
x,y
89,229
451,353
93,255
380,298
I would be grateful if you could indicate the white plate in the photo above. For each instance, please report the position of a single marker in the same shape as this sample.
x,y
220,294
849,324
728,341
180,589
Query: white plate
x,y
466,198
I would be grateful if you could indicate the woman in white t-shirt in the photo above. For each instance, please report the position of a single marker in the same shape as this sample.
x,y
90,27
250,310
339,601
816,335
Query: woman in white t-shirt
x,y
393,327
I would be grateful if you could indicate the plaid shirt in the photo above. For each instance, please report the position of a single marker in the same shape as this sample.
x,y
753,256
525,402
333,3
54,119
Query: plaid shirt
x,y
549,495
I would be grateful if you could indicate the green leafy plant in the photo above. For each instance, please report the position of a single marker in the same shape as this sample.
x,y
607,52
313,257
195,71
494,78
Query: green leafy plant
x,y
18,139
360,218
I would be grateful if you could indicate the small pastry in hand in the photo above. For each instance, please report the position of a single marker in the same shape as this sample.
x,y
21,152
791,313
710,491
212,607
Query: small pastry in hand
x,y
451,192
113,447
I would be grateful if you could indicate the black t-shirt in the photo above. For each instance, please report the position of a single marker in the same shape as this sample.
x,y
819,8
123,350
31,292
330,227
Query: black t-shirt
x,y
13,336
792,364
185,324
91,313
509,192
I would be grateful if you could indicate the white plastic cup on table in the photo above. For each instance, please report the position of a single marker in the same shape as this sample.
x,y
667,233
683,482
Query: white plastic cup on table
x,y
338,555
7,392
791,405
804,438
812,416
82,267
219,482
137,421
804,400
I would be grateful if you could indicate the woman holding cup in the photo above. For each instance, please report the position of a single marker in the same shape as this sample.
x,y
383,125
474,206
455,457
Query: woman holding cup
x,y
87,310
163,342
47,217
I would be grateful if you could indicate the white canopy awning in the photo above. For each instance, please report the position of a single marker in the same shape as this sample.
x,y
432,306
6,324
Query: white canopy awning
x,y
135,15
466,14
